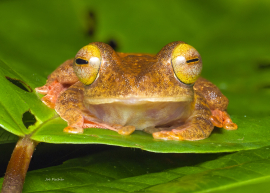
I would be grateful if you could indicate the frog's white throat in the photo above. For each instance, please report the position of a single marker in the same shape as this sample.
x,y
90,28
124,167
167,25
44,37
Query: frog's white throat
x,y
142,113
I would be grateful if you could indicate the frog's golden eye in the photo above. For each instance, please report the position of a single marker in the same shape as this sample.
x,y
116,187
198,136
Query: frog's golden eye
x,y
187,63
86,64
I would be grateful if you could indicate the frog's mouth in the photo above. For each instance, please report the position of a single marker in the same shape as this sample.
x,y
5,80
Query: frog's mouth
x,y
137,101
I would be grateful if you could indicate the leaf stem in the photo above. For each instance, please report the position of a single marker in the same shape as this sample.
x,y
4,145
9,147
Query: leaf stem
x,y
18,165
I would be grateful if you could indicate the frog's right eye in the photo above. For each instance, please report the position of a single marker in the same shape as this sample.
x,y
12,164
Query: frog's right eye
x,y
186,63
87,63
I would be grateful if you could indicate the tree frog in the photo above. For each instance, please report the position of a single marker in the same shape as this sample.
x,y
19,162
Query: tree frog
x,y
161,94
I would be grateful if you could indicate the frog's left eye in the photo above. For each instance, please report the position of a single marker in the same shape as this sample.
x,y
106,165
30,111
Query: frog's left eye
x,y
186,62
86,64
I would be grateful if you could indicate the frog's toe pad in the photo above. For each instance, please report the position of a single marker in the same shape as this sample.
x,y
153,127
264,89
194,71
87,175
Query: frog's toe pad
x,y
76,130
42,90
49,101
230,126
168,135
127,130
222,119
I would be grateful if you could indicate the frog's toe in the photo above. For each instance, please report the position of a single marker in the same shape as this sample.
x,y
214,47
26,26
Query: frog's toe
x,y
216,121
188,132
168,135
230,126
49,100
222,119
127,130
52,91
76,130
42,90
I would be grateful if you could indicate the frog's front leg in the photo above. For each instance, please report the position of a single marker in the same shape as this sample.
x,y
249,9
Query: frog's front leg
x,y
57,82
217,102
198,126
70,107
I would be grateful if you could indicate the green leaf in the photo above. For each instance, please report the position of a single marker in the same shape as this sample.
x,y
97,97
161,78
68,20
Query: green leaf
x,y
247,137
46,40
230,173
6,137
126,170
16,101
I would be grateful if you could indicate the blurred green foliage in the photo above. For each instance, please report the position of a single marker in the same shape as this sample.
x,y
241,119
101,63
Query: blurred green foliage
x,y
232,37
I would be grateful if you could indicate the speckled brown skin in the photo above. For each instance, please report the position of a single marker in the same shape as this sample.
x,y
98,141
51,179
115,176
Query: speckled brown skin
x,y
71,108
137,75
62,78
215,99
197,126
210,110
124,77
217,103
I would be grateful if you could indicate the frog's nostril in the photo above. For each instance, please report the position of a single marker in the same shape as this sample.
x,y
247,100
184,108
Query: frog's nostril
x,y
28,119
22,85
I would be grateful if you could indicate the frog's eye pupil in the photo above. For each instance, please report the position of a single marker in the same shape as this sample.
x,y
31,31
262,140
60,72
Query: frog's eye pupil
x,y
193,60
81,61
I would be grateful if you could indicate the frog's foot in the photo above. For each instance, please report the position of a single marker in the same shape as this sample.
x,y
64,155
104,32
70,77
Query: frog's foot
x,y
122,130
168,135
73,129
83,123
195,128
153,129
52,92
185,132
222,119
